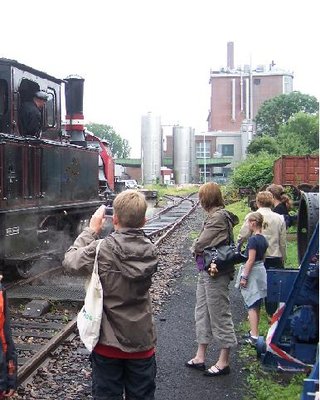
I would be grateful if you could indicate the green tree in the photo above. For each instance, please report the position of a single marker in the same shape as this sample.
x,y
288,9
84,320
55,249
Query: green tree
x,y
275,112
263,143
300,135
119,147
292,144
255,171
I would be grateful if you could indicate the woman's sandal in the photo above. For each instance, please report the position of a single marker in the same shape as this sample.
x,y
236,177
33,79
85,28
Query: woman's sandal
x,y
220,371
198,366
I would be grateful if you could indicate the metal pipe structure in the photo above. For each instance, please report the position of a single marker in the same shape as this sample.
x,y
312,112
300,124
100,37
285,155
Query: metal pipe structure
x,y
247,98
183,155
151,148
241,92
233,99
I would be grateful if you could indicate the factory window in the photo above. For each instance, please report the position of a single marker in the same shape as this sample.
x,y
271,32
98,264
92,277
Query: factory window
x,y
227,150
203,149
257,81
204,174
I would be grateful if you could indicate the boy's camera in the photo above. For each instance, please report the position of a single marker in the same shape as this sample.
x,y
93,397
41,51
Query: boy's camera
x,y
108,211
108,224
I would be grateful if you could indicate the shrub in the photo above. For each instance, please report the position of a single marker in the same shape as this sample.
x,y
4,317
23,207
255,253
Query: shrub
x,y
254,172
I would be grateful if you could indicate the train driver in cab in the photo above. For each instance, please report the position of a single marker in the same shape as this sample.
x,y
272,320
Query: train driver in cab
x,y
31,115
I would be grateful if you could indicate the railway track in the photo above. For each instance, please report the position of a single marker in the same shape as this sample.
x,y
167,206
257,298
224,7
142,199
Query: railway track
x,y
36,337
169,218
44,307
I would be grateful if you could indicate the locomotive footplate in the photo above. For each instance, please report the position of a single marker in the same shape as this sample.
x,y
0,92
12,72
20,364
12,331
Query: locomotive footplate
x,y
35,255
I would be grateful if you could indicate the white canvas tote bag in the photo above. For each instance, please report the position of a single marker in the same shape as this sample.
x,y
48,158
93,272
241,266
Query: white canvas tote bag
x,y
89,317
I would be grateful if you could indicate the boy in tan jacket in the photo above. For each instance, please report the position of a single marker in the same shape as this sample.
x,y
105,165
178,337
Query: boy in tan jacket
x,y
123,361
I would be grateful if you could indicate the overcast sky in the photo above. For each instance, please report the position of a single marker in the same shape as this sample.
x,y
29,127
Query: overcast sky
x,y
139,56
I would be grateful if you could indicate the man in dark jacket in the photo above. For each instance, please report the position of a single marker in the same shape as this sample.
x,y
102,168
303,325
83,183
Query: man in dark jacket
x,y
31,116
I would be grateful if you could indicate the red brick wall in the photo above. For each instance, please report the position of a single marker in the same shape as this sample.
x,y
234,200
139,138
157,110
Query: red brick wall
x,y
270,86
221,99
221,104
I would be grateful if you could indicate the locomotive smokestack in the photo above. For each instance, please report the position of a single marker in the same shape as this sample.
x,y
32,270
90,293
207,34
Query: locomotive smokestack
x,y
74,109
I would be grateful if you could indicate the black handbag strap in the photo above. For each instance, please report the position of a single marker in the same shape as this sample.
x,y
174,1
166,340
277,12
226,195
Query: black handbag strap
x,y
229,225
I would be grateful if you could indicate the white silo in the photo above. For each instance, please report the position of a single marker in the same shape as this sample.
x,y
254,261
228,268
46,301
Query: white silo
x,y
151,148
184,159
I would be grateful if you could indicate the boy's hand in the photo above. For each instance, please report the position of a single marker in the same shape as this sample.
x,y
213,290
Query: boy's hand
x,y
97,220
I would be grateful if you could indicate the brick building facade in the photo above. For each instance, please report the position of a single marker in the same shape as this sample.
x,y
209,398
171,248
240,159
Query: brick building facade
x,y
238,95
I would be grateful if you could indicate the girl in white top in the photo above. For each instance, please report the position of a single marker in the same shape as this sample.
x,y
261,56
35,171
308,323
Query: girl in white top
x,y
274,230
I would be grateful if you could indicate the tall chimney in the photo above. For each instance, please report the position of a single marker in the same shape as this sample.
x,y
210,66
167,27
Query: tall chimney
x,y
74,109
230,55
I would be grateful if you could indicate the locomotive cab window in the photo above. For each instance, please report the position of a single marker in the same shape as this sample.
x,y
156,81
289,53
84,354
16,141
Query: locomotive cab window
x,y
27,88
50,110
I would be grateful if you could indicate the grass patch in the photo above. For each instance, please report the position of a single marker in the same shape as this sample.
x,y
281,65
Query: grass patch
x,y
270,385
292,254
193,235
241,209
171,190
262,384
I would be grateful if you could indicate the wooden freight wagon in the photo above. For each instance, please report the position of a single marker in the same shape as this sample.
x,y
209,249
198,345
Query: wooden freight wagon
x,y
296,170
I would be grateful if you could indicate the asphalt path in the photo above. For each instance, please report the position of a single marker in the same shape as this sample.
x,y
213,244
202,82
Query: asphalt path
x,y
176,345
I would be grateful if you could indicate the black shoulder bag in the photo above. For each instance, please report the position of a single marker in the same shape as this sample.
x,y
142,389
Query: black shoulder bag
x,y
224,256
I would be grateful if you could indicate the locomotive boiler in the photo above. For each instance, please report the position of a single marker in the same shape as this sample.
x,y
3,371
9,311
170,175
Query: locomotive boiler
x,y
49,186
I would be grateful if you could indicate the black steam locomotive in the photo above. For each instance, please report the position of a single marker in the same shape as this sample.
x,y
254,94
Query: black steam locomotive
x,y
49,186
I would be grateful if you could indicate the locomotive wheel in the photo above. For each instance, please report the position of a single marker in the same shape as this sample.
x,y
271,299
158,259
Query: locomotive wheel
x,y
23,269
308,216
305,187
